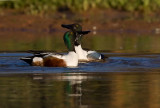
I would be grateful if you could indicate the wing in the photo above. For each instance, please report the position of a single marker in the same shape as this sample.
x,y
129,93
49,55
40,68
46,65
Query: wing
x,y
57,55
93,55
40,53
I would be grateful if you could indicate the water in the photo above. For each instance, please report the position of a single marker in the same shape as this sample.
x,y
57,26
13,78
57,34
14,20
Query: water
x,y
80,90
122,43
124,80
117,62
129,78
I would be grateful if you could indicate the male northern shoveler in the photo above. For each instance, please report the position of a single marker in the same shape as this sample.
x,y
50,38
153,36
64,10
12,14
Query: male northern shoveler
x,y
57,60
83,55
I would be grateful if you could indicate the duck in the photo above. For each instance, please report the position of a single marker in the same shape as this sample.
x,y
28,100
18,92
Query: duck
x,y
83,55
54,59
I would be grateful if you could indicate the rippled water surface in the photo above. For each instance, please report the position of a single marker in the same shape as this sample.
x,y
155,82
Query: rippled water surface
x,y
123,81
116,62
129,78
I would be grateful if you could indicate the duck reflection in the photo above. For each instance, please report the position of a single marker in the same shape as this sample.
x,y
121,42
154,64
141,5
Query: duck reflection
x,y
80,90
74,88
73,85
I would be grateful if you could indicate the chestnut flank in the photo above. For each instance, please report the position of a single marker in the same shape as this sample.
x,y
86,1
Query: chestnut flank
x,y
54,62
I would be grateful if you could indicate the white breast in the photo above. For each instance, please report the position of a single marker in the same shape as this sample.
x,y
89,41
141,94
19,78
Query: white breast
x,y
82,54
71,59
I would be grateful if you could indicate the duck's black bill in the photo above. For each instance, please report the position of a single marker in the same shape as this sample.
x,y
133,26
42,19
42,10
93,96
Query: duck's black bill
x,y
69,26
83,32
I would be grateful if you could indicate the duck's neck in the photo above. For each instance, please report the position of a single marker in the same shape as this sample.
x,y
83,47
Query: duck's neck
x,y
82,54
69,40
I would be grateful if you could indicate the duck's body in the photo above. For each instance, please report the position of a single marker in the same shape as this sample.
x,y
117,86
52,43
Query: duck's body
x,y
87,56
83,55
56,60
53,60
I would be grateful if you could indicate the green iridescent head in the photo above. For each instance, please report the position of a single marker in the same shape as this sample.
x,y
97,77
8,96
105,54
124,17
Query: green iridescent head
x,y
69,39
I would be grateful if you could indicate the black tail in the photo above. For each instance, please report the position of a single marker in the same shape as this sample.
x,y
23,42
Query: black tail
x,y
27,59
103,57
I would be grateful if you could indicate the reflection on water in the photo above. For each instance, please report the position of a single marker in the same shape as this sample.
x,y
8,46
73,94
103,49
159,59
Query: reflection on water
x,y
122,81
125,80
80,90
114,43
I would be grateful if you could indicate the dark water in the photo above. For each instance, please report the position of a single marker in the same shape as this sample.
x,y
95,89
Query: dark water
x,y
123,81
80,90
111,43
129,78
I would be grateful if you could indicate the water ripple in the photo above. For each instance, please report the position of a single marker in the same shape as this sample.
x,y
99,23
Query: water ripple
x,y
11,63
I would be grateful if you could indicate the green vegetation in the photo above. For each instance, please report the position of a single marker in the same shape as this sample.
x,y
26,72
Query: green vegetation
x,y
47,6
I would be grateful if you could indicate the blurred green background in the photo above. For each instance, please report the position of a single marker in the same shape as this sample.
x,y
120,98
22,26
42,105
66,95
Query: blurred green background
x,y
43,6
116,25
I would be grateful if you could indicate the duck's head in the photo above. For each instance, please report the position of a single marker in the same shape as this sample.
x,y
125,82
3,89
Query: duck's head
x,y
77,30
71,39
74,27
79,36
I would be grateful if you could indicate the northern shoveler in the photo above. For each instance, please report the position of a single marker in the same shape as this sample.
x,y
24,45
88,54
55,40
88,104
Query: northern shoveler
x,y
56,60
83,55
